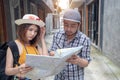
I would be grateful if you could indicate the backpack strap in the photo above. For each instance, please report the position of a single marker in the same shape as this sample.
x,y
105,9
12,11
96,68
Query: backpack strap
x,y
14,48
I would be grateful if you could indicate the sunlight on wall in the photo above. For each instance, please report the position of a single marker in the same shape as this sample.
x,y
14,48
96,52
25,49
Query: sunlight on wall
x,y
64,4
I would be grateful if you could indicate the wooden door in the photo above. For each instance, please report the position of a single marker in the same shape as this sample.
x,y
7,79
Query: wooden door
x,y
3,36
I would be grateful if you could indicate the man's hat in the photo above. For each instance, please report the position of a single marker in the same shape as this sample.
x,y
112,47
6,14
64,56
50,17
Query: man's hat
x,y
72,15
30,18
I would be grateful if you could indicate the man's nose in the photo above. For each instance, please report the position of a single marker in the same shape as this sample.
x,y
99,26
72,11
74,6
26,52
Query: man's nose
x,y
69,27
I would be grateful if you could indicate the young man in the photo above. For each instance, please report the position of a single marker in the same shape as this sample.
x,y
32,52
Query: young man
x,y
72,37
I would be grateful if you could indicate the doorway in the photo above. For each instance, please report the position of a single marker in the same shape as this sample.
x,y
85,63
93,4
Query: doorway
x,y
3,34
93,10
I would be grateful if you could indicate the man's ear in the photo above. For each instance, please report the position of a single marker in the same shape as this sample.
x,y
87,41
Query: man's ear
x,y
79,24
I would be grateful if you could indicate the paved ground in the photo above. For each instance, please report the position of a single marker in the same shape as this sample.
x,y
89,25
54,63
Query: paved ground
x,y
100,68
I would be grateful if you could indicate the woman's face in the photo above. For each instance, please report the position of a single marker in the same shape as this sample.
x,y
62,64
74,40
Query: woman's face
x,y
31,32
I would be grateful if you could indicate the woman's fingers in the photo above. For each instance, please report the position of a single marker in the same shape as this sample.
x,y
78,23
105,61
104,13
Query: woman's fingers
x,y
42,32
25,69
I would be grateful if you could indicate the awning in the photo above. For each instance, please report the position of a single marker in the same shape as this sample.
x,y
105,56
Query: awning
x,y
76,3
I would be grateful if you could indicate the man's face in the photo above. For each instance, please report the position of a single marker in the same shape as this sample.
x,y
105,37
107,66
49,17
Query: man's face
x,y
70,27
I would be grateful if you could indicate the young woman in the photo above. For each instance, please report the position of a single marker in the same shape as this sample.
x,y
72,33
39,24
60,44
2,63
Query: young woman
x,y
30,31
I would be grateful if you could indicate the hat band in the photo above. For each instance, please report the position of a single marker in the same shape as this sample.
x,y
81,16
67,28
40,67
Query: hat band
x,y
71,20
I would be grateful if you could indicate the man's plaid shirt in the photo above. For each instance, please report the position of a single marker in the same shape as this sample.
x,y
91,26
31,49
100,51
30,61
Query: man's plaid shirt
x,y
71,71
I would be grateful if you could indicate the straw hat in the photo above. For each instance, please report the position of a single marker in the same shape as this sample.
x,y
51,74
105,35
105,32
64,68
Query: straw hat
x,y
30,18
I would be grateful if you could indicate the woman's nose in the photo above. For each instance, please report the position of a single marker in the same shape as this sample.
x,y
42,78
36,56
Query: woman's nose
x,y
32,32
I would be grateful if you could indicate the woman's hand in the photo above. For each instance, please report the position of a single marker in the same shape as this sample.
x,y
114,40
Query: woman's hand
x,y
42,33
24,68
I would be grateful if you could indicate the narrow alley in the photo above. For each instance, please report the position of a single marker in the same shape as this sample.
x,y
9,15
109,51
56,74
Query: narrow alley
x,y
99,20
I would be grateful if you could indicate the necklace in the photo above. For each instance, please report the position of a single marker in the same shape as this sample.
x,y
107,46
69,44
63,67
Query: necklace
x,y
27,51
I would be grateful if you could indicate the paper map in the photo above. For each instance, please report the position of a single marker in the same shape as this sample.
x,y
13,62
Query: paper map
x,y
45,66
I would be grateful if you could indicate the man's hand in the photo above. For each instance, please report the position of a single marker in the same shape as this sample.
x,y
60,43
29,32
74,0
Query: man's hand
x,y
52,53
74,59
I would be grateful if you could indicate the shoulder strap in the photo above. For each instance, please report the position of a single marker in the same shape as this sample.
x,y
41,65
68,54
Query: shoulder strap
x,y
15,52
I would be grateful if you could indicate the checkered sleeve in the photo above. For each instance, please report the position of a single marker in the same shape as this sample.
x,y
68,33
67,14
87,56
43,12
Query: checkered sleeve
x,y
86,49
54,45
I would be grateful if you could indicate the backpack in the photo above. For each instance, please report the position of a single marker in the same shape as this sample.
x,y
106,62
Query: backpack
x,y
15,52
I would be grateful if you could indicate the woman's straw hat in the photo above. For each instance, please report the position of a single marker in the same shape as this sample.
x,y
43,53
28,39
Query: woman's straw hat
x,y
30,18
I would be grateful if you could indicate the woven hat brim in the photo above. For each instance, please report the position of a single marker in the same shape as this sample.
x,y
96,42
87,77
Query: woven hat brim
x,y
23,21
